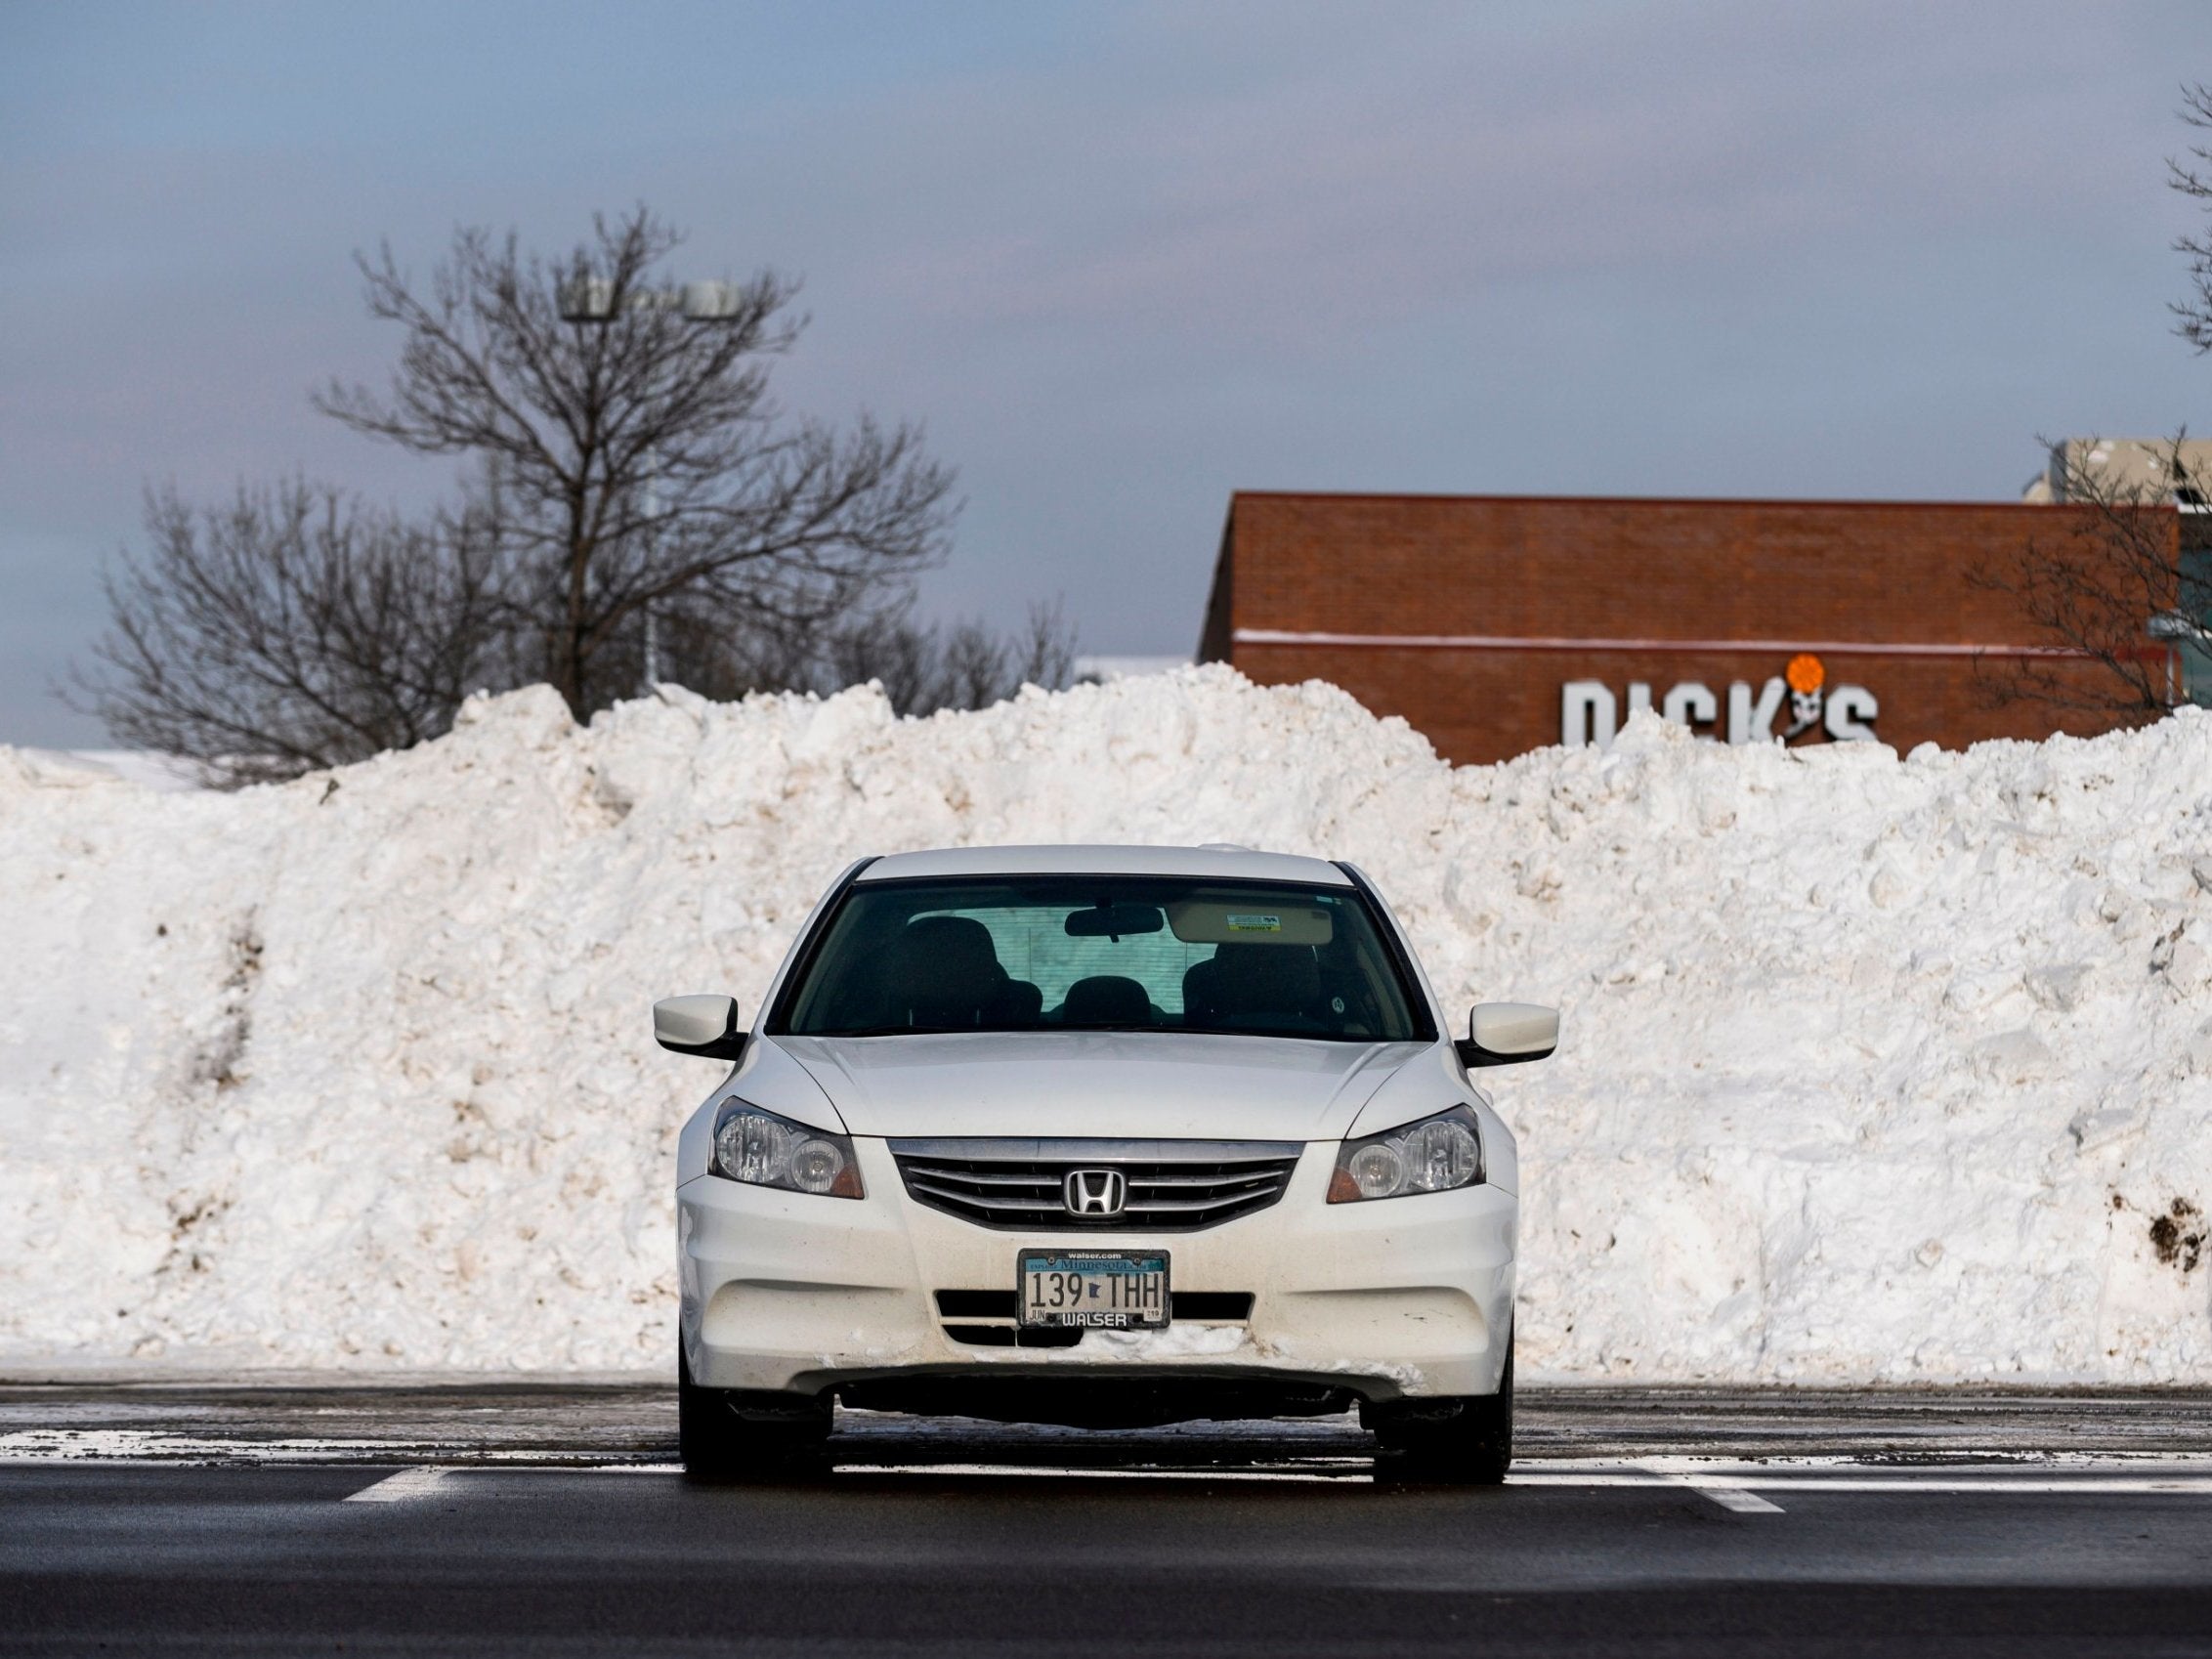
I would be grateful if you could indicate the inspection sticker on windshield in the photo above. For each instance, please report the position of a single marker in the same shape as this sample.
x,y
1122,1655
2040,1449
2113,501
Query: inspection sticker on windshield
x,y
1256,923
1114,1290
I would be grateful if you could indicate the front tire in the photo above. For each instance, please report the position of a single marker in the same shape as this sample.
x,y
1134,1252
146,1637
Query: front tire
x,y
728,1434
1462,1440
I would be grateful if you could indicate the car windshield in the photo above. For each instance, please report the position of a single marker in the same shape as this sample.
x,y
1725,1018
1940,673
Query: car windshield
x,y
1094,952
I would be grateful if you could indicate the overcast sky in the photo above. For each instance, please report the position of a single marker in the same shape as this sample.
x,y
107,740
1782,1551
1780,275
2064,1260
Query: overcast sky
x,y
1121,259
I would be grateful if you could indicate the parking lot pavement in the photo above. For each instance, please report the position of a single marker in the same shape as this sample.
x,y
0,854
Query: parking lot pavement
x,y
540,1560
545,1522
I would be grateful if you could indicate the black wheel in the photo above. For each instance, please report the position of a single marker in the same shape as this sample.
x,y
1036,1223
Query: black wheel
x,y
725,1434
1464,1440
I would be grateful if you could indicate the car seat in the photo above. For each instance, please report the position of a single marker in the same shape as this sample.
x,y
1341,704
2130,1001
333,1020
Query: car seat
x,y
1106,999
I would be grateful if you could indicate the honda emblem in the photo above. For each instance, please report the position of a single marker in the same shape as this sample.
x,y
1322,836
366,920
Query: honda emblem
x,y
1095,1192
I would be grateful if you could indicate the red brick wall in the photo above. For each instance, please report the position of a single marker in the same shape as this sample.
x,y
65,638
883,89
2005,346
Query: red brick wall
x,y
1794,573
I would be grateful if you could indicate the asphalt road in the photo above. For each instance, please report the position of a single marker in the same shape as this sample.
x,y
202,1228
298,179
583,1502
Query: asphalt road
x,y
187,1520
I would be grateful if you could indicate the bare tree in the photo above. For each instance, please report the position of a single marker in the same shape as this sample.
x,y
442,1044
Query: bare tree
x,y
2100,586
294,629
640,457
2192,175
633,500
924,666
2122,589
1044,653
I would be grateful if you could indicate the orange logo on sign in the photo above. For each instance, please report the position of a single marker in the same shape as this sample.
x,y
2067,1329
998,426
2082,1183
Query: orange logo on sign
x,y
1805,673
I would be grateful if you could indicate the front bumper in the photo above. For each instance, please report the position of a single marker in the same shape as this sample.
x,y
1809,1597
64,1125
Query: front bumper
x,y
1403,1296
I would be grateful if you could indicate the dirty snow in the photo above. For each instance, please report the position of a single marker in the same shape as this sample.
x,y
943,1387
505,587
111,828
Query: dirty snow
x,y
1876,1068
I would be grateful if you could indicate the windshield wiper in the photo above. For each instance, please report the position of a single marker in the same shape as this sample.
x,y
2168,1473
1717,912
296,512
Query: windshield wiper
x,y
896,1031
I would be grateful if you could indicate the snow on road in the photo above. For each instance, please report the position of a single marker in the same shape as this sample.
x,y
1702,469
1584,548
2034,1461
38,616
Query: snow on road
x,y
1876,1068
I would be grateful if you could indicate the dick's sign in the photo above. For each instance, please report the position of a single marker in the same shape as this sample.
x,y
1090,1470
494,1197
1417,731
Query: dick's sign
x,y
1799,697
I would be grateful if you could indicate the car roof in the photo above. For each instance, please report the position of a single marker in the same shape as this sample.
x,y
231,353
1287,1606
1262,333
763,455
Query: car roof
x,y
1219,862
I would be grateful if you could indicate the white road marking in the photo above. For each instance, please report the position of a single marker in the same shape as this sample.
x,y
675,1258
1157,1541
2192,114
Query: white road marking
x,y
404,1487
1723,1490
1733,1490
1930,1483
1737,1498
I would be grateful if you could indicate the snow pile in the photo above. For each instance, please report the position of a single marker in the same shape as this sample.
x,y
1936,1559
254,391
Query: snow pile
x,y
1876,1068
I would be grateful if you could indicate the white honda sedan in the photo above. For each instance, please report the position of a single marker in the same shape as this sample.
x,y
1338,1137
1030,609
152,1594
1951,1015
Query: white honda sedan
x,y
1098,1135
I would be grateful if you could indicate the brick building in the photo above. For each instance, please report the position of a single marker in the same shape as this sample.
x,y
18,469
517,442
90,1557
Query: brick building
x,y
1496,625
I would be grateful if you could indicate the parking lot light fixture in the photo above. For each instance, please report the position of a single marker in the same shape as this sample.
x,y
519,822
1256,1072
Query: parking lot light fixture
x,y
591,299
588,299
710,302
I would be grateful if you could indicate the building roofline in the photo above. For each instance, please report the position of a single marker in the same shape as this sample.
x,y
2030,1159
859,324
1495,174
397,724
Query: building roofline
x,y
1825,502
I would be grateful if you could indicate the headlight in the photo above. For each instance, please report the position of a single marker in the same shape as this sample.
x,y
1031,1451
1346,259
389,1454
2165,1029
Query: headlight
x,y
763,1150
1435,1155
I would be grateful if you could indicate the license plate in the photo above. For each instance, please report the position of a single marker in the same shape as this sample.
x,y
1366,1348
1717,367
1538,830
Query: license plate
x,y
1114,1290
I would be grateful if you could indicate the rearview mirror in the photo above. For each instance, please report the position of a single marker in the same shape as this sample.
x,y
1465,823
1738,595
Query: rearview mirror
x,y
1111,921
1508,1033
705,1026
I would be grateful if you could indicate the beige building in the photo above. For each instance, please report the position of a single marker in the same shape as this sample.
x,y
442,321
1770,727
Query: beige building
x,y
2153,470
2125,468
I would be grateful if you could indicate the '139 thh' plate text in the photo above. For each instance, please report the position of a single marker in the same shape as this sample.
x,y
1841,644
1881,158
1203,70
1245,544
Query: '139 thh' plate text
x,y
1117,1289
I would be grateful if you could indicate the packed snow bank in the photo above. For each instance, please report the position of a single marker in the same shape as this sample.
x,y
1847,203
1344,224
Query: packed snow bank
x,y
1875,1068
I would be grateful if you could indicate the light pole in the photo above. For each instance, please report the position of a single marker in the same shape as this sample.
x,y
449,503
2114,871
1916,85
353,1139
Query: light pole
x,y
591,300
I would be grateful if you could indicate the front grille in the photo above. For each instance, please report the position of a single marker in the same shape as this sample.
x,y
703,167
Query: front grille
x,y
1019,1186
1011,1337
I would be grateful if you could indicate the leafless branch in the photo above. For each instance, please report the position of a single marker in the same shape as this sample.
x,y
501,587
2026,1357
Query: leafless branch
x,y
2190,173
2090,588
642,459
924,668
637,503
291,629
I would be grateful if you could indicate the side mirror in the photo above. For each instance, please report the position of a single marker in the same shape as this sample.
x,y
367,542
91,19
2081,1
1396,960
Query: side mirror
x,y
705,1026
1508,1033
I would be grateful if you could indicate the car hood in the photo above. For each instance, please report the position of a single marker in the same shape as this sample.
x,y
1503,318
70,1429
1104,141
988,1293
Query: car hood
x,y
1098,1083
